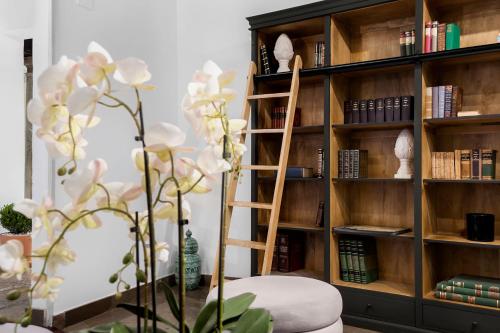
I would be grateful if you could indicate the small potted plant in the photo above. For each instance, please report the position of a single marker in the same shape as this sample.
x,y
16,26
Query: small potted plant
x,y
17,225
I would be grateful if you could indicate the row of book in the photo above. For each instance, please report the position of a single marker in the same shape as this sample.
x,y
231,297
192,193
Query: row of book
x,y
319,54
407,42
352,163
443,101
378,110
278,117
470,289
288,253
464,164
441,36
358,259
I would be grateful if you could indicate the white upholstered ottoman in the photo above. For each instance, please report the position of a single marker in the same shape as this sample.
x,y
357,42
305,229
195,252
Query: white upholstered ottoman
x,y
296,304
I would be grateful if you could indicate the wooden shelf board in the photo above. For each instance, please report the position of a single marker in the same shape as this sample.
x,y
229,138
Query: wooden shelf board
x,y
430,297
302,272
461,181
295,226
372,126
309,129
382,286
479,52
407,235
306,72
459,241
290,179
490,119
371,180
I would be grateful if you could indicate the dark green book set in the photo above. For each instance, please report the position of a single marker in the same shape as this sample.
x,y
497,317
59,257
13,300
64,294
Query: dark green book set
x,y
390,282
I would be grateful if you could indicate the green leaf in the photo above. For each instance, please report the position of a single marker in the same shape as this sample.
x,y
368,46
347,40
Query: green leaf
x,y
172,302
139,310
236,306
206,319
119,328
254,321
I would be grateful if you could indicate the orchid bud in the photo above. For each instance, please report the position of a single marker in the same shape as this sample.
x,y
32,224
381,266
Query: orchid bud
x,y
71,170
13,295
113,278
126,286
61,171
118,296
127,259
26,321
140,276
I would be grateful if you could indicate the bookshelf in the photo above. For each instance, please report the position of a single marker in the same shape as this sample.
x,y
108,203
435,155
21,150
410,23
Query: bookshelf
x,y
364,62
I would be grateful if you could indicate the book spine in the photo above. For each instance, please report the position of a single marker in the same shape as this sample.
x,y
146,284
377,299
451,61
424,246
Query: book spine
x,y
350,267
465,165
408,42
355,163
362,261
413,39
347,112
454,99
371,111
457,101
351,163
435,102
451,161
458,164
284,262
379,110
433,165
343,261
397,108
488,159
441,37
471,284
389,109
340,164
355,261
370,259
441,102
363,163
406,107
442,286
434,36
428,38
355,111
467,299
452,36
476,164
266,69
448,95
346,163
428,103
402,43
363,111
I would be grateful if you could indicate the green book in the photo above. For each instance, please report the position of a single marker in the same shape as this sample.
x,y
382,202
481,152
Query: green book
x,y
348,253
355,260
495,303
367,260
452,36
475,282
343,260
443,286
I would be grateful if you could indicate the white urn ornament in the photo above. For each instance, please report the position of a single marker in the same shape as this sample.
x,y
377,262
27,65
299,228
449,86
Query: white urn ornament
x,y
283,52
404,152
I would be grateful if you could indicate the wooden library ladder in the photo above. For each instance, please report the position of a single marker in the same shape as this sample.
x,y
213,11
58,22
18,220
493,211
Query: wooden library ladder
x,y
275,205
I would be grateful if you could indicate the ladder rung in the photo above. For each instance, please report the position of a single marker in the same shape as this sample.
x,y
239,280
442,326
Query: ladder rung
x,y
249,204
276,95
260,167
247,244
264,131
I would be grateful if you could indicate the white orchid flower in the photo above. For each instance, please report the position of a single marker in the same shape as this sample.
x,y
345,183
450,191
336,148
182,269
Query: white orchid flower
x,y
47,287
38,213
82,185
62,145
84,101
118,194
77,217
210,161
56,83
61,254
133,72
12,262
162,252
96,65
168,211
164,139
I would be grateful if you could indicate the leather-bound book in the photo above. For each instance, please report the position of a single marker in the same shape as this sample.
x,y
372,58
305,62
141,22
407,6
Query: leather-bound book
x,y
320,214
456,101
434,36
402,43
347,112
363,111
379,110
355,111
346,162
428,38
465,165
428,103
476,164
488,161
340,164
441,102
371,111
435,102
397,108
291,251
406,108
389,109
441,37
448,94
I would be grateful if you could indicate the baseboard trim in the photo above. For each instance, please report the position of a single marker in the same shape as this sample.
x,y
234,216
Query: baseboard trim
x,y
381,326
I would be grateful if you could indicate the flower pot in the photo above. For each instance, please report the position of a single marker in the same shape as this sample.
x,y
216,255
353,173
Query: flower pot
x,y
24,239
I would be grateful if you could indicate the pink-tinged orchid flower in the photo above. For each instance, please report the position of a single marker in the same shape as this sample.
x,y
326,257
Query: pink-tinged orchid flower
x,y
96,65
56,83
118,195
133,72
210,161
12,262
164,139
82,185
168,210
47,287
38,213
60,254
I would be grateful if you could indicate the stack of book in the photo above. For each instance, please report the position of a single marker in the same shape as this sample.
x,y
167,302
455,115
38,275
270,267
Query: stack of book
x,y
352,163
264,60
441,36
378,110
443,101
464,164
289,252
407,42
358,259
470,289
278,117
319,54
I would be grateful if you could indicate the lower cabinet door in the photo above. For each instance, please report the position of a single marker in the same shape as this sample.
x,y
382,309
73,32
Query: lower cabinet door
x,y
379,306
445,319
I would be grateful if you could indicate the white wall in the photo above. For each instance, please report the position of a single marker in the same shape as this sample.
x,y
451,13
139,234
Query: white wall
x,y
144,29
174,38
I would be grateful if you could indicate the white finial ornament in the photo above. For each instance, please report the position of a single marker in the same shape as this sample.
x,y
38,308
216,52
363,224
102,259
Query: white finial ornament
x,y
404,152
283,52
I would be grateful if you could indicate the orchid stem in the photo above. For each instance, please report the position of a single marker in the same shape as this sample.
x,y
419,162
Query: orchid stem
x,y
182,277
